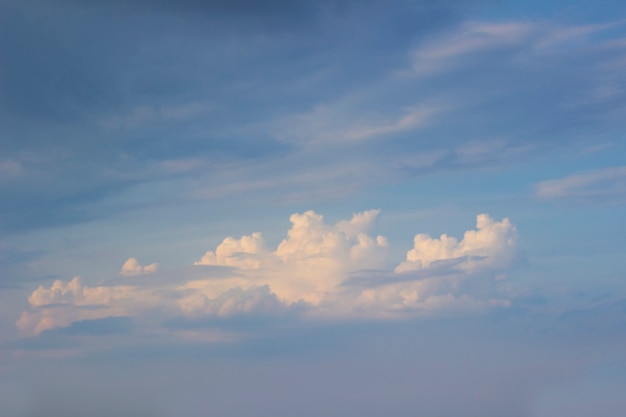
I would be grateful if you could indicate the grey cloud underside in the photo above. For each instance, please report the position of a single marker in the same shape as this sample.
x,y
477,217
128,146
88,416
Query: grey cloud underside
x,y
259,323
372,279
96,327
285,331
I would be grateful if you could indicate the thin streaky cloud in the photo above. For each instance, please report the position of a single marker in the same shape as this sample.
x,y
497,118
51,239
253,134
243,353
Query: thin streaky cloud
x,y
607,182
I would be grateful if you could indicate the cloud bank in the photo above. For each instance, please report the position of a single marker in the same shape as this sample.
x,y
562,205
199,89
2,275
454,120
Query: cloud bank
x,y
324,270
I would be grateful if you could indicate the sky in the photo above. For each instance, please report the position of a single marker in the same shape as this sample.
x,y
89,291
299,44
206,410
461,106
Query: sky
x,y
296,207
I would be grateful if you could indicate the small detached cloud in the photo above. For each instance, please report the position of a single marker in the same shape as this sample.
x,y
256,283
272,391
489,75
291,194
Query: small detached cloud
x,y
132,267
319,270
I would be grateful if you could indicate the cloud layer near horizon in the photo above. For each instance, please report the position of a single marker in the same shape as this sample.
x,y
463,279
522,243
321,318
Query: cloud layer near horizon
x,y
318,270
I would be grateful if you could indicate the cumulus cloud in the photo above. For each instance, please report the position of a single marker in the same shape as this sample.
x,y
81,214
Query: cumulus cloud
x,y
66,302
241,253
492,245
442,275
71,292
330,270
232,302
133,267
311,261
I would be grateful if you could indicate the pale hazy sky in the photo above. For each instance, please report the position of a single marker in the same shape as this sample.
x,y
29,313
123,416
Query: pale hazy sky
x,y
295,207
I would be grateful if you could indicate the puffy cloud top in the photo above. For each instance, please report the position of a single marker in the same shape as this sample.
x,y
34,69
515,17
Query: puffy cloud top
x,y
72,292
313,258
241,253
133,267
493,244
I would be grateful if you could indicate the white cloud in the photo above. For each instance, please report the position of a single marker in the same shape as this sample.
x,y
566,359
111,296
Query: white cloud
x,y
439,276
241,253
604,183
71,292
311,261
314,266
492,245
65,302
133,267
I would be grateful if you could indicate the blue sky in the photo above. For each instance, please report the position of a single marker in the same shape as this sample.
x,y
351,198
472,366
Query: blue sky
x,y
298,207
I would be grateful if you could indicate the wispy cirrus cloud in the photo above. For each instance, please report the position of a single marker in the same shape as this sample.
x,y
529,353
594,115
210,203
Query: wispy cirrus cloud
x,y
608,184
437,55
475,40
424,95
